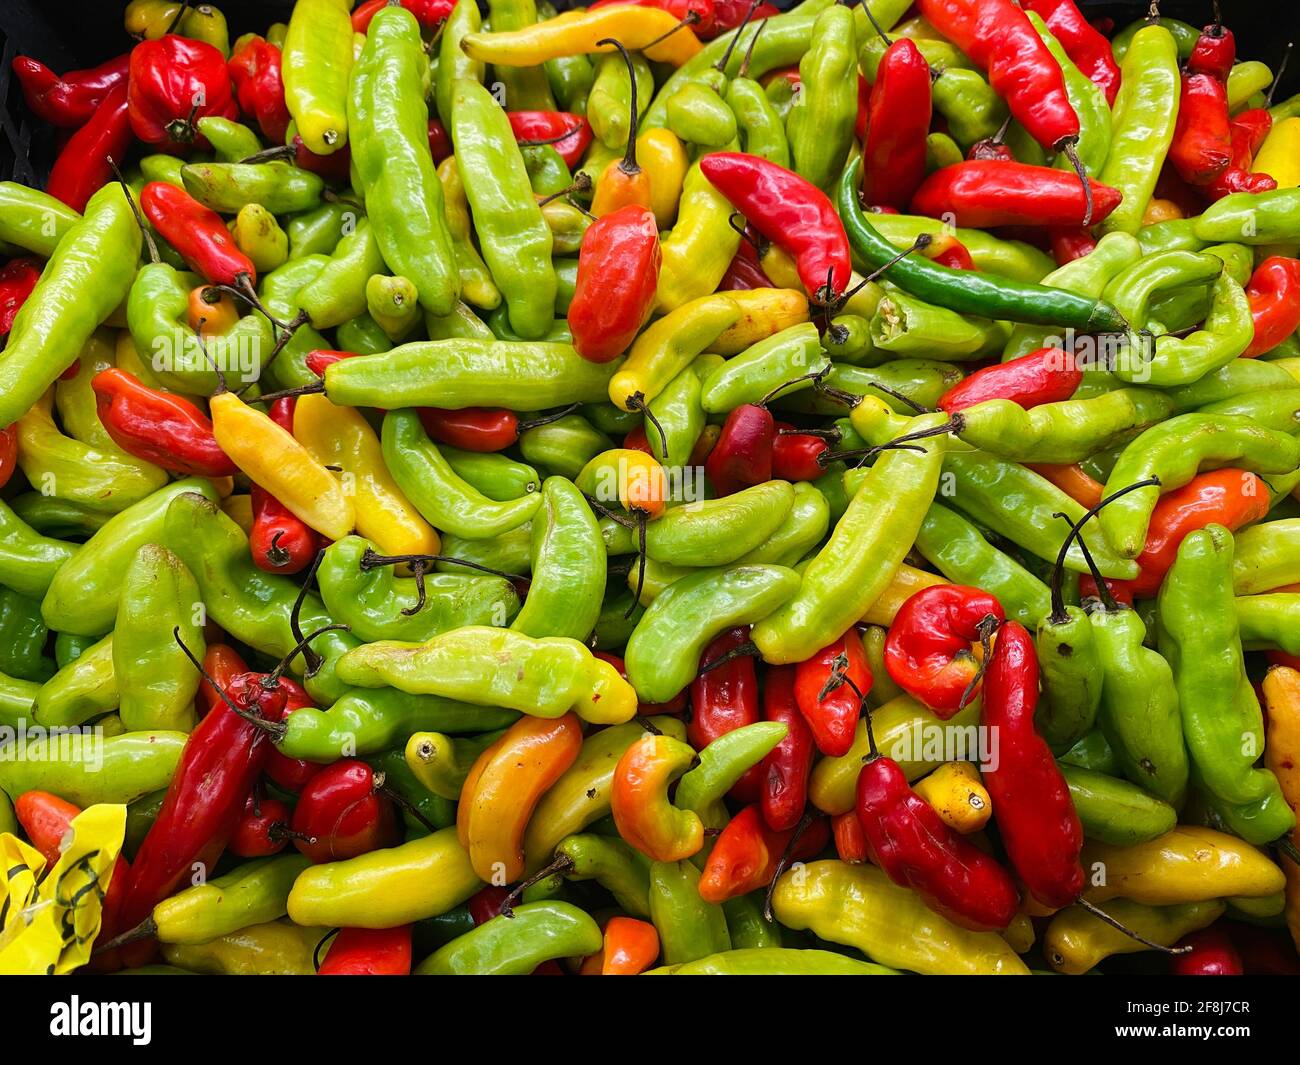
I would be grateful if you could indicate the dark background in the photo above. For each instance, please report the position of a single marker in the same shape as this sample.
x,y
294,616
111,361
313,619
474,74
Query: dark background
x,y
66,34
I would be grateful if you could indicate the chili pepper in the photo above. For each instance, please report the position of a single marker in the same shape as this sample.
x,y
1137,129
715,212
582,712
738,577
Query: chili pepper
x,y
133,764
343,812
983,193
86,687
453,63
173,81
1202,145
742,455
263,830
159,427
573,131
1086,47
1115,811
254,68
69,100
85,161
1040,377
1263,218
23,637
532,43
1211,952
821,121
831,712
316,62
1076,940
227,187
696,252
1273,303
897,124
746,855
630,947
279,541
198,233
618,272
515,945
795,455
369,952
17,280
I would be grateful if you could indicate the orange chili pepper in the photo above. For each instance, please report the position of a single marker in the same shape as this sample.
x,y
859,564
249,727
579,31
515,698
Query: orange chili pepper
x,y
639,800
1071,480
631,947
210,311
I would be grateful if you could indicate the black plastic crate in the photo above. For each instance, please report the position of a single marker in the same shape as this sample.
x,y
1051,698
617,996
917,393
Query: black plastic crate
x,y
67,34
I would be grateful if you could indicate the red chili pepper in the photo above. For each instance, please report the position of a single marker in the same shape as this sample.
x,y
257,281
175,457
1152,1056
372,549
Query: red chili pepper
x,y
833,715
743,273
174,82
743,454
47,820
1087,48
369,951
916,849
222,663
335,167
8,454
1047,375
928,648
794,454
487,903
471,428
439,141
1248,130
1036,818
1274,295
790,212
1070,244
1211,954
893,152
1202,146
17,280
618,271
1215,50
261,830
947,250
1236,179
675,705
728,14
724,699
705,10
86,160
344,813
786,768
746,854
984,193
159,427
1228,497
428,13
546,125
254,69
220,762
850,840
279,541
68,100
197,233
281,412
320,358
291,774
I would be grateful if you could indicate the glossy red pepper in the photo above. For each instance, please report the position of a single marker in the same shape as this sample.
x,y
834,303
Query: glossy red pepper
x,y
280,541
1215,50
916,849
1087,48
893,153
743,273
317,360
786,768
369,951
1069,244
539,127
439,141
794,454
159,427
471,428
343,812
487,903
928,648
1202,145
17,280
947,250
1211,954
1036,818
335,167
725,699
1047,375
261,830
832,714
428,13
728,14
1248,129
255,70
790,212
220,763
746,854
197,233
291,774
174,82
850,840
743,454
281,412
986,193
8,454
68,100
1274,295
222,663
618,272
86,161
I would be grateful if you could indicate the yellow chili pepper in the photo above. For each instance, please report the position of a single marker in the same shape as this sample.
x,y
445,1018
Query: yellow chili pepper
x,y
763,313
1020,934
1159,210
1282,756
1076,941
908,580
663,157
700,247
476,284
1187,864
576,33
319,49
277,948
957,794
1279,155
239,509
340,436
277,462
669,345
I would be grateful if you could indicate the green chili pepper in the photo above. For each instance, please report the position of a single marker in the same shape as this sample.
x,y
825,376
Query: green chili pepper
x,y
821,121
420,806
85,769
1245,81
23,636
252,893
317,59
373,601
279,187
462,323
564,446
617,867
390,151
87,277
497,476
800,530
498,323
1173,451
156,682
465,373
1143,126
441,763
964,556
1279,410
516,945
318,232
548,173
663,654
905,327
393,304
279,293
1270,217
56,517
1238,379
363,335
17,700
568,566
525,88
338,293
762,368
1257,822
689,928
1115,811
1139,706
780,97
718,531
1132,290
508,552
68,647
259,236
776,961
747,927
923,381
615,625
1094,752
569,77
231,141
1071,676
724,761
1088,101
1006,258
453,63
961,290
444,498
762,129
940,151
699,115
610,100
81,598
1183,33
28,560
165,168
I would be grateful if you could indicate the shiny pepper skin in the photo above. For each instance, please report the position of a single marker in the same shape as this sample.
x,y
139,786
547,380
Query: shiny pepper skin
x,y
342,813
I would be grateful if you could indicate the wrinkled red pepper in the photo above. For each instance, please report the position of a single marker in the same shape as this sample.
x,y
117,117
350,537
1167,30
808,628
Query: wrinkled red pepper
x,y
618,273
254,68
544,126
1202,145
794,454
428,13
174,82
198,233
17,280
786,767
1274,295
1047,375
263,829
746,854
1248,129
68,100
1069,244
830,704
1215,50
280,541
1087,48
724,699
893,152
85,163
987,193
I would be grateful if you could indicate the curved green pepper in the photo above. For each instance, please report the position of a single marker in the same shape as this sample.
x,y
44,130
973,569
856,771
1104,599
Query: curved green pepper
x,y
761,369
338,293
279,187
1115,811
86,769
801,530
515,945
689,928
820,125
29,562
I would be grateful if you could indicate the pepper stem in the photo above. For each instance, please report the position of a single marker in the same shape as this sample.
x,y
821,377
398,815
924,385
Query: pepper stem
x,y
562,864
1281,69
135,210
748,649
373,560
784,861
1070,146
534,423
816,375
275,728
721,65
1102,915
641,522
876,25
743,72
271,155
636,402
311,660
629,165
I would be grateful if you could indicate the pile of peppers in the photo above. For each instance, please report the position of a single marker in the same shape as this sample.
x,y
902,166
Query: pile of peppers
x,y
671,486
